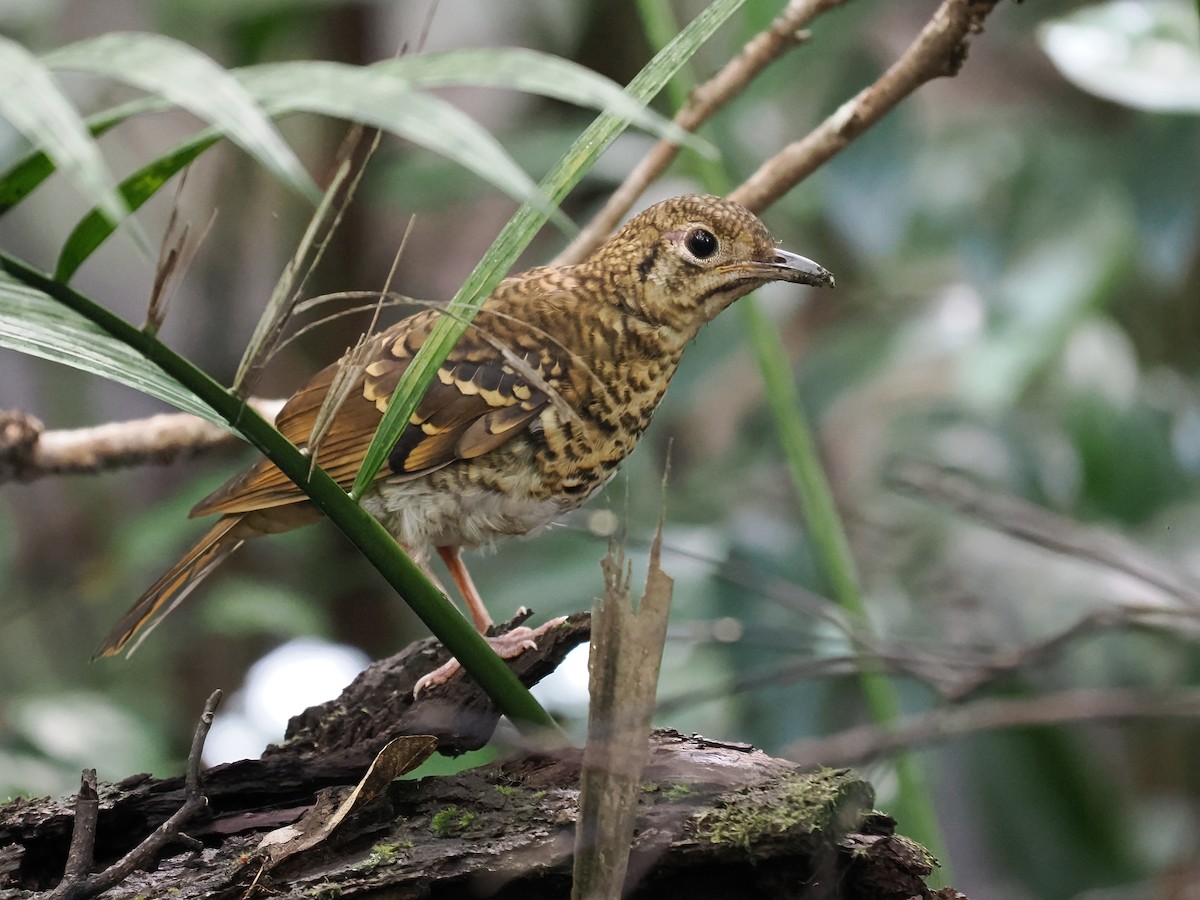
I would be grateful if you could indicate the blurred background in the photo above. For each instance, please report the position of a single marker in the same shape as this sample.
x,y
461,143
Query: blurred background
x,y
1016,251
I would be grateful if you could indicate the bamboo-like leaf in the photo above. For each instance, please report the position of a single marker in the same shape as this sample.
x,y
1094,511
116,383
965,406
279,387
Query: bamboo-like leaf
x,y
187,78
35,106
23,178
379,95
360,95
37,324
519,69
94,229
376,98
520,230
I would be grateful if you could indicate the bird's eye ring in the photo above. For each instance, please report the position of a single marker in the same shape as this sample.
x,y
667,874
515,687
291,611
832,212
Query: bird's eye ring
x,y
701,243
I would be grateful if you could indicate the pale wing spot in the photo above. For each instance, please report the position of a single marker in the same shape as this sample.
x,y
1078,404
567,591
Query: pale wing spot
x,y
495,398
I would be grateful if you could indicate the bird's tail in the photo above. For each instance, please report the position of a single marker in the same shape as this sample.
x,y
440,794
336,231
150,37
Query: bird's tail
x,y
170,590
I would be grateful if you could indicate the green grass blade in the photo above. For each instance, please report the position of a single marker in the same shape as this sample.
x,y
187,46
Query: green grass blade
x,y
35,106
913,807
377,98
29,172
189,79
520,230
94,229
518,69
826,530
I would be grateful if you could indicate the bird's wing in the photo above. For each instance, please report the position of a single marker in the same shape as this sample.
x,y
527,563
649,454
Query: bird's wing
x,y
480,399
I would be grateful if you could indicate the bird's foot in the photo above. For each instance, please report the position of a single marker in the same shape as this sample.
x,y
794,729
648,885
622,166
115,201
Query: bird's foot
x,y
507,646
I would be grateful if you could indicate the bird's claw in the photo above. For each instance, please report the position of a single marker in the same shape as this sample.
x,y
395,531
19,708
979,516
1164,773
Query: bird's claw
x,y
507,646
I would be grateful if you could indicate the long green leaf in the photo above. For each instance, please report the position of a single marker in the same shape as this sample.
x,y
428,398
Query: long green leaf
x,y
23,178
93,229
32,102
521,229
375,96
35,323
361,95
378,98
189,79
519,69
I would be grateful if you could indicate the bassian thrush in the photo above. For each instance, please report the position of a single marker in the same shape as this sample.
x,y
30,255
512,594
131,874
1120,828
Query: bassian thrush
x,y
539,402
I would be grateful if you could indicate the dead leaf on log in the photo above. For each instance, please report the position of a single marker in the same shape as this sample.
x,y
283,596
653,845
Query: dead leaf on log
x,y
398,758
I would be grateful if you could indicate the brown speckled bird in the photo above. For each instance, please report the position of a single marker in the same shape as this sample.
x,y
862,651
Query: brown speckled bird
x,y
539,402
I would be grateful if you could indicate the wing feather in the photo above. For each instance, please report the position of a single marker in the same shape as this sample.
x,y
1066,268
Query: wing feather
x,y
477,403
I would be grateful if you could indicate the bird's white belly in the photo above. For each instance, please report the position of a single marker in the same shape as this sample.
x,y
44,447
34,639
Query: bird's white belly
x,y
420,515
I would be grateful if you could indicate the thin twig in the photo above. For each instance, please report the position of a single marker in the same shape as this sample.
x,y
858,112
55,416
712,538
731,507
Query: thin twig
x,y
1030,522
938,51
83,833
77,886
857,746
764,48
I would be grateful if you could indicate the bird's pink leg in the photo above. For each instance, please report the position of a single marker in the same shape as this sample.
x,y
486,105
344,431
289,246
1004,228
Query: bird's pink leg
x,y
511,643
452,557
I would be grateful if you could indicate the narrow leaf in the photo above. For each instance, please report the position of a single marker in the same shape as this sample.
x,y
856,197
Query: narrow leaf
x,y
94,229
381,100
39,325
360,95
23,178
35,106
519,69
521,229
186,77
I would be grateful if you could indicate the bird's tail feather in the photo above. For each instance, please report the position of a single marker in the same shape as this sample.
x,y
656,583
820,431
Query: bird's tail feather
x,y
169,591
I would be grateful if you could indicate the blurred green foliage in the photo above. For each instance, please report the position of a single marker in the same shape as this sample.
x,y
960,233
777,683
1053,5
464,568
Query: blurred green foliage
x,y
1018,298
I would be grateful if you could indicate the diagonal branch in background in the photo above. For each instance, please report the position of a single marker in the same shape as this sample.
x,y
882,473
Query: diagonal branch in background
x,y
1036,525
764,48
857,746
938,51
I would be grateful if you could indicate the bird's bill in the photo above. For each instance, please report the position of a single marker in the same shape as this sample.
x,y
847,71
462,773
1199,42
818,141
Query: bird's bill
x,y
798,269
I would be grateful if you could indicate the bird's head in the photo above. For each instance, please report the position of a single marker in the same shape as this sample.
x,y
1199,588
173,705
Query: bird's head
x,y
680,262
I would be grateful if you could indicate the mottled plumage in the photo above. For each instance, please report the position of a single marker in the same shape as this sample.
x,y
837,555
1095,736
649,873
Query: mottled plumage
x,y
543,397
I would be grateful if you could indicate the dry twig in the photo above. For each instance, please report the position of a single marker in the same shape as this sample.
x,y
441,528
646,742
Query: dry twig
x,y
75,884
860,745
627,647
938,51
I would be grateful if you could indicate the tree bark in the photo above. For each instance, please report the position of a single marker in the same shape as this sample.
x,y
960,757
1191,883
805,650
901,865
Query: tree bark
x,y
715,819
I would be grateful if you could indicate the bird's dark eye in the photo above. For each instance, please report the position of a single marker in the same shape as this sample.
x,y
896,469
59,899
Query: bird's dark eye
x,y
701,243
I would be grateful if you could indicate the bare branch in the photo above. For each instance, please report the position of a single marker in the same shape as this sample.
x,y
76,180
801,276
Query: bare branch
x,y
857,746
784,34
76,885
939,50
28,452
83,833
1030,522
